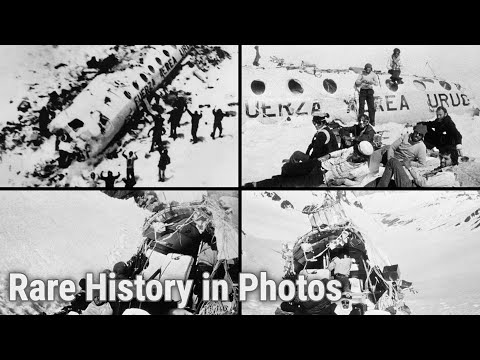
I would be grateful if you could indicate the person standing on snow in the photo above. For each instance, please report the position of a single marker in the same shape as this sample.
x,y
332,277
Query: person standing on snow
x,y
132,156
109,180
174,120
365,82
395,66
195,121
158,131
162,165
217,122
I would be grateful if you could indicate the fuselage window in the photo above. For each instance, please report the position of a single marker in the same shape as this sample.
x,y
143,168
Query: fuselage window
x,y
330,86
258,87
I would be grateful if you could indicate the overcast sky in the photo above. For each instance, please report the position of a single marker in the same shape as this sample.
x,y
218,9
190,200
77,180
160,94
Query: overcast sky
x,y
452,62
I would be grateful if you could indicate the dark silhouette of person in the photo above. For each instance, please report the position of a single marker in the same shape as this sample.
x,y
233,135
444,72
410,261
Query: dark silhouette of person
x,y
365,83
444,135
217,122
130,163
109,180
174,120
162,165
158,131
195,121
43,121
129,182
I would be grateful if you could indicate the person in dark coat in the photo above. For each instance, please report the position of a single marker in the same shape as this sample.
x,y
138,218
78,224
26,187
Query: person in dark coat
x,y
109,180
79,303
129,182
362,131
174,120
43,121
217,122
195,121
130,164
162,165
365,83
444,135
323,142
158,131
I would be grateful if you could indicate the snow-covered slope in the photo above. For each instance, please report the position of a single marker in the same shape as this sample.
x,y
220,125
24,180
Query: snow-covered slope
x,y
439,256
32,72
63,234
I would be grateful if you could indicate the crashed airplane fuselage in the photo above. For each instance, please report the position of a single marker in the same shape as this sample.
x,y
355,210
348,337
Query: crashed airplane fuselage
x,y
108,102
277,93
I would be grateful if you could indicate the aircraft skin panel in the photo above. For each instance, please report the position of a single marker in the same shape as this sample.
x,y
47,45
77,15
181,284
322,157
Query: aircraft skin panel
x,y
414,100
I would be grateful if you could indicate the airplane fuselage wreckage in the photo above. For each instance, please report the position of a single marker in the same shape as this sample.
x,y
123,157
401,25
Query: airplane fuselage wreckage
x,y
282,92
93,122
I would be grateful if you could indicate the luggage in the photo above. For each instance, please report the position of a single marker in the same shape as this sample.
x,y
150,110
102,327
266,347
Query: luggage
x,y
168,267
404,284
315,274
391,273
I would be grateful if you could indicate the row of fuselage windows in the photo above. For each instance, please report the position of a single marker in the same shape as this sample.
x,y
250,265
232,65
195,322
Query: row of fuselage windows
x,y
258,87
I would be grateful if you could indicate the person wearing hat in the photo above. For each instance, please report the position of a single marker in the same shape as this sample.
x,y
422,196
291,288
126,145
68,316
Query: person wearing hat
x,y
323,142
444,135
357,133
162,164
394,66
365,83
407,147
196,116
347,166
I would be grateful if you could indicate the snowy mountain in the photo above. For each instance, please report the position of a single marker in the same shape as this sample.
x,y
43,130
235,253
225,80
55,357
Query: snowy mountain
x,y
431,235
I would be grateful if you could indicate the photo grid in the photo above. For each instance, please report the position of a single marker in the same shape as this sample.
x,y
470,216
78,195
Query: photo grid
x,y
244,180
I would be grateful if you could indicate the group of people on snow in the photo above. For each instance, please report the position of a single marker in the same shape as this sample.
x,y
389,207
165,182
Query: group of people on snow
x,y
65,144
355,159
